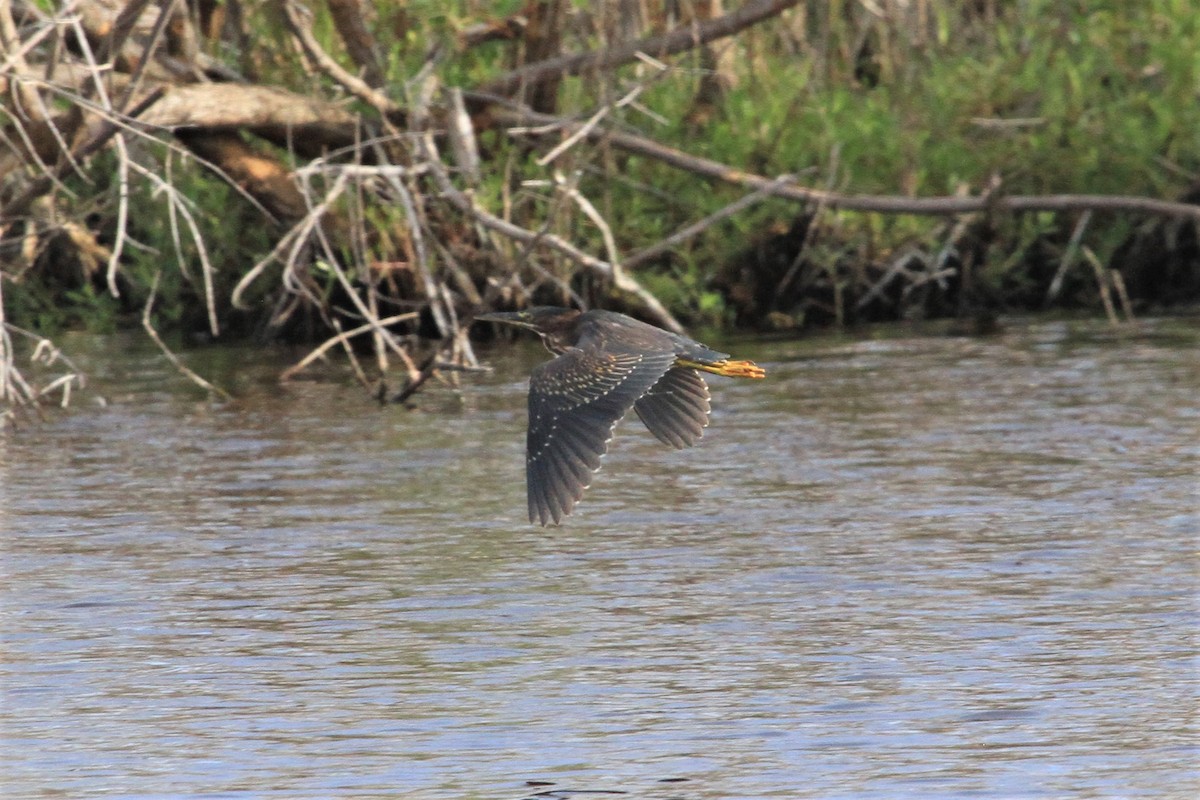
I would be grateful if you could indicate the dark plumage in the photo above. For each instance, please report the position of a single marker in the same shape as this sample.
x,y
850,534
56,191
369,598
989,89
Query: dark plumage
x,y
606,364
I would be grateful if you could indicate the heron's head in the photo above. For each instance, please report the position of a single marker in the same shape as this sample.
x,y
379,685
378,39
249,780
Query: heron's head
x,y
540,319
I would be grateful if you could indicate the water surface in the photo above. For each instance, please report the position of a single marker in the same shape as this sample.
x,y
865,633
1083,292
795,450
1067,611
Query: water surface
x,y
901,566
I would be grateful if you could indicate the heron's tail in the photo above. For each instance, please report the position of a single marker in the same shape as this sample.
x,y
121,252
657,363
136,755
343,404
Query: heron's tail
x,y
730,369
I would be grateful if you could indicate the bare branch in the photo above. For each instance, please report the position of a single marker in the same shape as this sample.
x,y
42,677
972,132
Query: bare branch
x,y
15,391
1102,282
342,337
178,205
260,109
619,278
592,122
698,227
114,260
515,115
678,40
105,131
174,359
360,44
1068,257
302,30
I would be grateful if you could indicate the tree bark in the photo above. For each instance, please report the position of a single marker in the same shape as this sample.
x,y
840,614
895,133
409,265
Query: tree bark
x,y
543,42
360,44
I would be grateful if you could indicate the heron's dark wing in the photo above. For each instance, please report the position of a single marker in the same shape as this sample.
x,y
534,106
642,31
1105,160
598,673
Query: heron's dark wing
x,y
676,408
575,402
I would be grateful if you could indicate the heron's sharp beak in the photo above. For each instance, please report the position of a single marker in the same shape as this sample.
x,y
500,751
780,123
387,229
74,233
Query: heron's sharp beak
x,y
507,317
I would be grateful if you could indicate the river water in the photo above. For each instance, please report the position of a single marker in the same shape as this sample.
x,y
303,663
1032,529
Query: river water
x,y
904,566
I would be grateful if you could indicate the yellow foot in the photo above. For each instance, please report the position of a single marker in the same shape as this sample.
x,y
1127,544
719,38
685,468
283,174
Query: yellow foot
x,y
730,369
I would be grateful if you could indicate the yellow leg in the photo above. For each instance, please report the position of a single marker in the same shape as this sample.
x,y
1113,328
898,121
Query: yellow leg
x,y
730,369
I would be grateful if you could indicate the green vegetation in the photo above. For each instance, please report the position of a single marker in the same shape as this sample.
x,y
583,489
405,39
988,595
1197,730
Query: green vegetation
x,y
931,99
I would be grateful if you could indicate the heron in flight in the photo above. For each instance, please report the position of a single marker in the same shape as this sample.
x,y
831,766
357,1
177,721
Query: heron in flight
x,y
605,364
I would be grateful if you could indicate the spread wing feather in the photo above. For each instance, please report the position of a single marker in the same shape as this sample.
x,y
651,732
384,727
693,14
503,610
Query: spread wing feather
x,y
676,408
575,402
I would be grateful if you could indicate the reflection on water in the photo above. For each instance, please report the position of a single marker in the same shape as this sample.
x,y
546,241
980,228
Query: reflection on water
x,y
898,567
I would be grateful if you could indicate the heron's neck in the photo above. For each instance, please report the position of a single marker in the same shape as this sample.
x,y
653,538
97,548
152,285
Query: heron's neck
x,y
555,342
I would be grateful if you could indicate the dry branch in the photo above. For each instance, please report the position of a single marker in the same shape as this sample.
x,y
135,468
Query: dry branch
x,y
1068,257
677,41
105,130
508,113
360,43
184,370
620,279
696,228
261,175
342,338
302,30
16,391
309,125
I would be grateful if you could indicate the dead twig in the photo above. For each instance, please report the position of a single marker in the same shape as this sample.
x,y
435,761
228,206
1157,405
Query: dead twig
x,y
16,391
1102,281
341,338
1068,258
685,37
165,14
898,266
114,260
620,279
810,231
174,359
352,358
179,205
698,227
462,137
302,30
332,262
432,296
1118,283
458,345
570,190
590,123
424,373
37,187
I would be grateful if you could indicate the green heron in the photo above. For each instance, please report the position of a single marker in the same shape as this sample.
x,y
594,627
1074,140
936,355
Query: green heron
x,y
606,364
